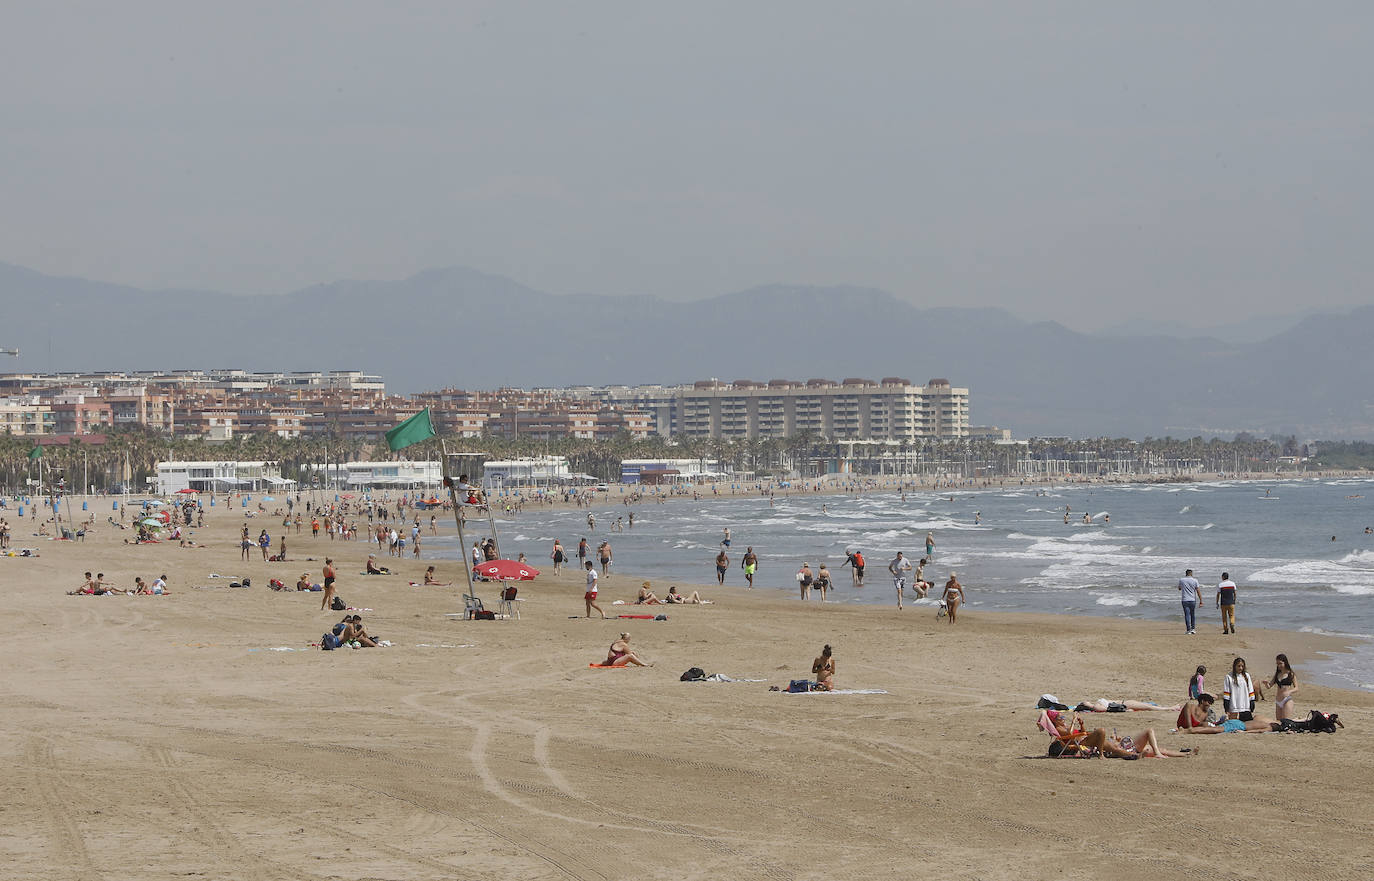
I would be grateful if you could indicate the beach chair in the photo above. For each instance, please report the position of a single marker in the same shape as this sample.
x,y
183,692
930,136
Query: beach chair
x,y
471,605
1069,745
506,607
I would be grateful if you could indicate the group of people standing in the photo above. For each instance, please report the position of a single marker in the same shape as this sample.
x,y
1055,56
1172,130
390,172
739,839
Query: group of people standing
x,y
1239,697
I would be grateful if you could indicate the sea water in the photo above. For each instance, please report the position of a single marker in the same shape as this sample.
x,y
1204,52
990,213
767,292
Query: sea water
x,y
1013,551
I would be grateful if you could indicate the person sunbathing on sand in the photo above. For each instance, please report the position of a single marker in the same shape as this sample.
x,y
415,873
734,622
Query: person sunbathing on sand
x,y
1192,719
353,632
824,668
677,598
86,588
373,568
1102,705
1145,744
620,654
431,579
646,597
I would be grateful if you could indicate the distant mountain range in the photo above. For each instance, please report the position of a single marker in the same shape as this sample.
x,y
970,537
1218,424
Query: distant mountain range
x,y
458,327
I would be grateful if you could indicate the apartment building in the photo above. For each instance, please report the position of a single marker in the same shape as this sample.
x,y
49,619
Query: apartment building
x,y
853,409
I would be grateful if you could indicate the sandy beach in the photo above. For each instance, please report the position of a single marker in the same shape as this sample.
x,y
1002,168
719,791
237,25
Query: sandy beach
x,y
159,737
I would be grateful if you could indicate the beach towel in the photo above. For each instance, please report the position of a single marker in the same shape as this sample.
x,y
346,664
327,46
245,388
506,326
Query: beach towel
x,y
640,617
842,691
610,666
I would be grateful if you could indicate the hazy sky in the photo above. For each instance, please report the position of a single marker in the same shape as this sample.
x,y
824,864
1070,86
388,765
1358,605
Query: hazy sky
x,y
1088,162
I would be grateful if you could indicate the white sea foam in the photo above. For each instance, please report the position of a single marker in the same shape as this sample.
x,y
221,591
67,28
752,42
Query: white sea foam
x,y
1340,577
1118,600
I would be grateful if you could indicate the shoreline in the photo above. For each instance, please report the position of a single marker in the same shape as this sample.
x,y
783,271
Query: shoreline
x,y
1312,647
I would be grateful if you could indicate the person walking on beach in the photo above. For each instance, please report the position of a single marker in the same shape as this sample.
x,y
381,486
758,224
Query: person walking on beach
x,y
1188,591
1226,602
804,580
930,545
823,581
899,567
557,557
590,595
750,564
722,563
605,553
953,597
328,584
582,552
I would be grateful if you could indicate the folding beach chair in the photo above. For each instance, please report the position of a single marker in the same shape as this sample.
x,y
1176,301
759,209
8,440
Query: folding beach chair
x,y
1063,746
506,607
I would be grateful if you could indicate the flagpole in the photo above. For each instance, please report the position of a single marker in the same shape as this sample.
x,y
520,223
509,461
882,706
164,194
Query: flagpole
x,y
457,513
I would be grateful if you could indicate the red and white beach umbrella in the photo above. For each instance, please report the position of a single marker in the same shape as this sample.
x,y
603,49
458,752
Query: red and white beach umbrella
x,y
507,570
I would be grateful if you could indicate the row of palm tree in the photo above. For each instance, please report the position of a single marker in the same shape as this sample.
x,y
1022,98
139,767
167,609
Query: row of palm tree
x,y
130,456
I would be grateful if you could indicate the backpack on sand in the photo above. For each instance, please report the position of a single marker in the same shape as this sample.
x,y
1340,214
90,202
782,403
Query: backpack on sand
x,y
696,674
338,604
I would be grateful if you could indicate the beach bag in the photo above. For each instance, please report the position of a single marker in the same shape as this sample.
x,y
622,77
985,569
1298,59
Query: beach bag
x,y
338,604
247,582
799,685
696,674
484,615
329,642
509,593
1050,702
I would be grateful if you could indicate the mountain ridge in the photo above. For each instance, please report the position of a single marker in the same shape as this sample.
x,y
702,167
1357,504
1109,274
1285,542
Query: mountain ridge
x,y
1034,377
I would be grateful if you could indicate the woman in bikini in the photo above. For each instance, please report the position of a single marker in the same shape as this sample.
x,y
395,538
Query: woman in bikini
x,y
1286,681
824,668
953,597
675,597
328,583
620,654
431,579
646,596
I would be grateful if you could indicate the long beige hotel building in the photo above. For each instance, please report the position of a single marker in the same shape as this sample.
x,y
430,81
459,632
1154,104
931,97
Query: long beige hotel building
x,y
854,409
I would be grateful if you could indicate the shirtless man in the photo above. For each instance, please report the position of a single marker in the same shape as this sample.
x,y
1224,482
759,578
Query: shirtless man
x,y
604,552
750,564
722,563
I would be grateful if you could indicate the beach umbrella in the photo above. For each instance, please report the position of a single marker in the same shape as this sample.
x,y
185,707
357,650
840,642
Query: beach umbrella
x,y
152,523
507,570
182,492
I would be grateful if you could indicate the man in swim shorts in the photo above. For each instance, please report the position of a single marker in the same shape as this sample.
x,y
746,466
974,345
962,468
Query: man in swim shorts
x,y
722,563
750,565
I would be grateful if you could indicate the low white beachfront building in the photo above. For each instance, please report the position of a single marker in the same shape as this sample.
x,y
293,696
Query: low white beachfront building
x,y
221,477
383,475
668,470
534,471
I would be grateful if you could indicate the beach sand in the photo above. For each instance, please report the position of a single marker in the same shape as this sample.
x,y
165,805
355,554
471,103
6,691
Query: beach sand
x,y
159,737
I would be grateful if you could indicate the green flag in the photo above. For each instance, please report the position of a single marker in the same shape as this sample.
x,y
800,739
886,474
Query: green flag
x,y
415,429
36,453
